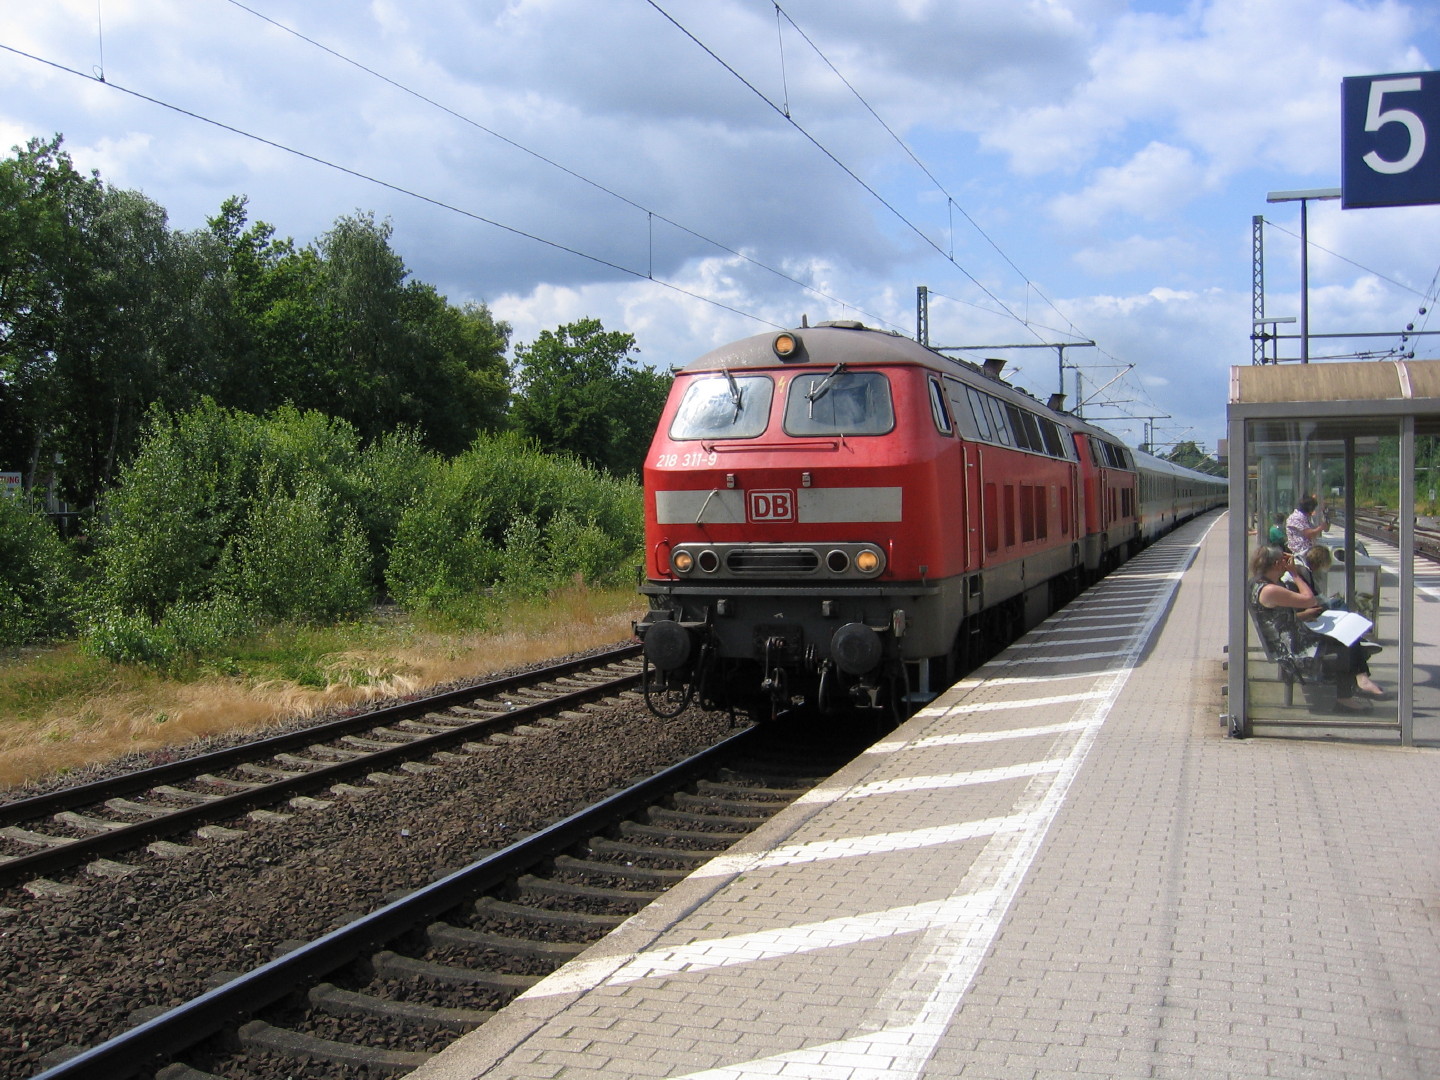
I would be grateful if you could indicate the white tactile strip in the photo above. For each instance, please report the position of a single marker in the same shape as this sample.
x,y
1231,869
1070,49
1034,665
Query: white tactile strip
x,y
905,1023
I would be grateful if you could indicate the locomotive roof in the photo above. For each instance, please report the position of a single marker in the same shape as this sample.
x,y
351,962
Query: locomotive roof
x,y
829,343
852,343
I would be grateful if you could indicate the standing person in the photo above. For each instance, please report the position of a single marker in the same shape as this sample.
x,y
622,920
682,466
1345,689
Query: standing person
x,y
1283,611
1302,526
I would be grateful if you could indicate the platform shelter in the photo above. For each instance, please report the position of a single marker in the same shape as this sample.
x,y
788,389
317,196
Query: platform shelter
x,y
1364,440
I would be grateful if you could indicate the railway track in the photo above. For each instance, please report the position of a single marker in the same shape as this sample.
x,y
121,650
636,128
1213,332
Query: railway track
x,y
378,996
1385,525
141,814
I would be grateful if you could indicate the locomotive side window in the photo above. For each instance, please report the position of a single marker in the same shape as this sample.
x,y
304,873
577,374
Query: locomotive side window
x,y
1034,440
723,407
1017,427
982,415
1005,424
1054,445
999,422
937,408
839,403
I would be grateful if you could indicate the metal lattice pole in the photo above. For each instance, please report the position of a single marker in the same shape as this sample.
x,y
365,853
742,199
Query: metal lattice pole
x,y
1257,290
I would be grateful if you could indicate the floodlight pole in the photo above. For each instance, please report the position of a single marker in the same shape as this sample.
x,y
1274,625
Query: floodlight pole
x,y
1303,198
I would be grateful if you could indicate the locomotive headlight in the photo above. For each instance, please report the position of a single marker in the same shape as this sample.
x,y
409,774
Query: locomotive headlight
x,y
785,345
682,562
867,561
709,561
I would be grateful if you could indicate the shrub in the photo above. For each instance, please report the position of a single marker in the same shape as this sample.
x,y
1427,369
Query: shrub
x,y
297,558
526,571
441,562
389,476
37,577
176,506
505,517
187,632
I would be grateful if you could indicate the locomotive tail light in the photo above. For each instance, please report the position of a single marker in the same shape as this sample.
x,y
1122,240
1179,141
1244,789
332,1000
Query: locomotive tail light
x,y
868,561
837,561
785,345
709,561
682,562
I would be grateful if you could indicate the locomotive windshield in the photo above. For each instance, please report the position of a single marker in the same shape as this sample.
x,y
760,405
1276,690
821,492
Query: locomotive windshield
x,y
723,406
839,402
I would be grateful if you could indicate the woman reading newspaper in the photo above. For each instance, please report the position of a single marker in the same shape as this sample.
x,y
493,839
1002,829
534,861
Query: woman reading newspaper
x,y
1295,616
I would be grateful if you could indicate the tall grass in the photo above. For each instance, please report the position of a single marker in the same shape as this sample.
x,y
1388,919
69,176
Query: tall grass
x,y
64,708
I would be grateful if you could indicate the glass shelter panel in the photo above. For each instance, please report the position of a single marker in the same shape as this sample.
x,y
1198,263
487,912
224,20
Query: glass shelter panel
x,y
1324,498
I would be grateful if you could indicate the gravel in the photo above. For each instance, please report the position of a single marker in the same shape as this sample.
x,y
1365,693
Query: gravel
x,y
75,967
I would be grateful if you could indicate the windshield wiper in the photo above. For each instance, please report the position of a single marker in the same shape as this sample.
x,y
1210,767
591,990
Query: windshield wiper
x,y
735,394
818,390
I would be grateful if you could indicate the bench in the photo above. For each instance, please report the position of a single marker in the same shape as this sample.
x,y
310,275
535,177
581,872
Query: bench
x,y
1280,657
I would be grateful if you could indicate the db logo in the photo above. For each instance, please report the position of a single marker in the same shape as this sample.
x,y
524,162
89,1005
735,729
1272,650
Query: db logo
x,y
772,506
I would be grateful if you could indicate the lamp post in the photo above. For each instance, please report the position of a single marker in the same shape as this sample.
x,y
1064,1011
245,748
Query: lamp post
x,y
1303,198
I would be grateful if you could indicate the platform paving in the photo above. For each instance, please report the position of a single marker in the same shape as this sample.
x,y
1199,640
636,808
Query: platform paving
x,y
1061,867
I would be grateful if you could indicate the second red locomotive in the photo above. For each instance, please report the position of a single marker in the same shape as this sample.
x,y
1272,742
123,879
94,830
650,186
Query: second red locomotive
x,y
844,517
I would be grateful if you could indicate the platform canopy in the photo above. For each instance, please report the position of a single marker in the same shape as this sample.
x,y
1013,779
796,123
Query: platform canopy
x,y
1364,440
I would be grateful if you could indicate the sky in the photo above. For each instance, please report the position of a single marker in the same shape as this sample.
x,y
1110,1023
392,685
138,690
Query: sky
x,y
697,171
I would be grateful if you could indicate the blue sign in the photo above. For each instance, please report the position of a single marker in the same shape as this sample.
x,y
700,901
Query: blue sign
x,y
1390,139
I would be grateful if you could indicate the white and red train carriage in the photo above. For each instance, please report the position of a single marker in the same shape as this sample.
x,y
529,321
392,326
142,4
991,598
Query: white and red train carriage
x,y
843,516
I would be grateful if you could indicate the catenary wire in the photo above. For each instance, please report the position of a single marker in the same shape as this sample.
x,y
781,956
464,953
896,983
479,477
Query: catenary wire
x,y
785,113
910,153
440,203
834,159
551,162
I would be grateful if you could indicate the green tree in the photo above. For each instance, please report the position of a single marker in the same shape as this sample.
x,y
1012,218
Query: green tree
x,y
1190,455
275,328
109,365
103,311
339,328
580,392
46,211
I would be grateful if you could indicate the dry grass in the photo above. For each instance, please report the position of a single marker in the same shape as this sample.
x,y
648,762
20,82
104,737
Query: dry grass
x,y
61,710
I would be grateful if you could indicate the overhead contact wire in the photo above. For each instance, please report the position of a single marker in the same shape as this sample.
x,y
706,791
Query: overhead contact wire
x,y
837,162
440,203
551,162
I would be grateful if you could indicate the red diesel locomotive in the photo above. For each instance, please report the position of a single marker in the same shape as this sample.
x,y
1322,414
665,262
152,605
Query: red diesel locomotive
x,y
843,517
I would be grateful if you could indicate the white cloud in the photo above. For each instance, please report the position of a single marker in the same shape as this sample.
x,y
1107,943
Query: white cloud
x,y
1154,184
1134,253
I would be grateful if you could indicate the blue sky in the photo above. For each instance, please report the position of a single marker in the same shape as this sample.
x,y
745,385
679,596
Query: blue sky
x,y
693,171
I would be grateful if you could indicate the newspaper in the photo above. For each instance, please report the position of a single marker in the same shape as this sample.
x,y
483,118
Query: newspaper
x,y
1346,627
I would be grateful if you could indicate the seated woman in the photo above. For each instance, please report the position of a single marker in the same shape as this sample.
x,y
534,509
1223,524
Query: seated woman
x,y
1278,607
1311,568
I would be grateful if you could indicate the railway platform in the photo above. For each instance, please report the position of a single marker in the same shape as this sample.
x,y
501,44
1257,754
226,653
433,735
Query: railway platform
x,y
1061,867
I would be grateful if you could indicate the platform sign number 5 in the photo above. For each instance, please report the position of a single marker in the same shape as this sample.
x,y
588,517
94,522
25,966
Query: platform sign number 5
x,y
1389,157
